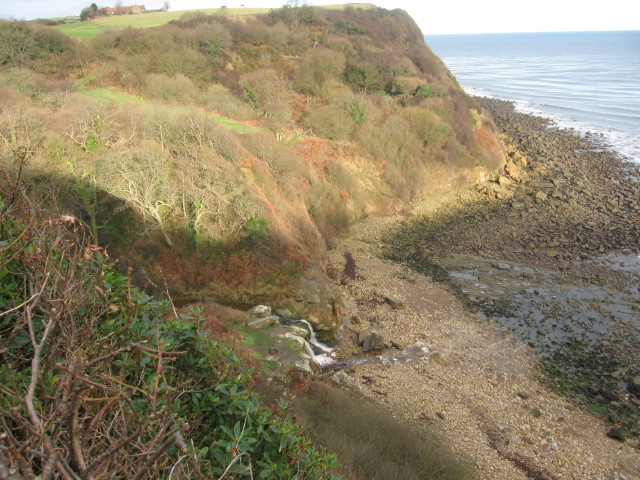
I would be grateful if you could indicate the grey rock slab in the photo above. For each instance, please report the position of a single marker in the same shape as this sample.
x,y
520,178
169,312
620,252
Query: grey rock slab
x,y
262,322
260,311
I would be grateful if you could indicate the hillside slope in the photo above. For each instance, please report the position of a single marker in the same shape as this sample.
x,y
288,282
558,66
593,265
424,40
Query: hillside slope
x,y
220,157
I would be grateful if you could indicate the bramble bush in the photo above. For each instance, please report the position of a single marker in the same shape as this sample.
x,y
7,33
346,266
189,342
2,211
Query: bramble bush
x,y
98,379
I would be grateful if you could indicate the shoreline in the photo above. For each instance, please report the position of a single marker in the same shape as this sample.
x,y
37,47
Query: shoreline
x,y
606,140
552,254
477,379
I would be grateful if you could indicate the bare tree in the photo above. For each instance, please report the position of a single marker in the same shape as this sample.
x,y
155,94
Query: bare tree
x,y
20,134
142,180
93,128
166,5
270,95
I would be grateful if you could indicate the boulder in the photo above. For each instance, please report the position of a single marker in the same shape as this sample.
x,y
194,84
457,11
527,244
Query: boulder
x,y
262,322
540,196
304,369
285,314
634,385
341,378
299,331
320,302
300,342
539,184
373,341
502,266
619,434
512,168
439,359
504,181
260,311
395,302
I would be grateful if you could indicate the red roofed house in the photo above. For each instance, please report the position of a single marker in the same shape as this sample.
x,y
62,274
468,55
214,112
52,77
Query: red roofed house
x,y
125,10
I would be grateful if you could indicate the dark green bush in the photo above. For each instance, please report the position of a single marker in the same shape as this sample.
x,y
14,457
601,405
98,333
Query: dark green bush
x,y
425,91
31,46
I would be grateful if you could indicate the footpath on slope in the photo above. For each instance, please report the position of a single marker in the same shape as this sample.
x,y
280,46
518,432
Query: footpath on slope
x,y
467,376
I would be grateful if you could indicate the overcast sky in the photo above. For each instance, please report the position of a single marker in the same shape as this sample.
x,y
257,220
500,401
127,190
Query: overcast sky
x,y
433,16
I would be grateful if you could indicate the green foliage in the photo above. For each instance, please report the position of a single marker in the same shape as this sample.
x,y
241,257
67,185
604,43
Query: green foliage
x,y
220,99
348,27
361,78
429,128
424,91
257,230
29,45
214,40
356,109
100,367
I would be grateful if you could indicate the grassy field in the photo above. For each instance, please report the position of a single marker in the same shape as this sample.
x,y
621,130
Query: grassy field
x,y
91,28
156,19
80,29
106,95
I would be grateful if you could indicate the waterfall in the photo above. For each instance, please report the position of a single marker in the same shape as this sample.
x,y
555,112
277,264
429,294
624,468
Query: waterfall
x,y
321,353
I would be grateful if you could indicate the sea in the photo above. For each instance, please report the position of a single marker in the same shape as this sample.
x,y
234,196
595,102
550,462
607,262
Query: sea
x,y
586,81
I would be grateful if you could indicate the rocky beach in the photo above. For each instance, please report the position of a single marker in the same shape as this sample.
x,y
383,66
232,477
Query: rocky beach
x,y
508,317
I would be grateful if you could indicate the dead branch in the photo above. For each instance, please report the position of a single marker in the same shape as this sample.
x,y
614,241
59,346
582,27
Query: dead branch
x,y
175,438
15,453
74,437
35,364
33,297
6,473
115,447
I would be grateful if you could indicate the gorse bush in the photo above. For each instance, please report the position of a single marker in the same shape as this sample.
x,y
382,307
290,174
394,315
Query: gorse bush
x,y
97,379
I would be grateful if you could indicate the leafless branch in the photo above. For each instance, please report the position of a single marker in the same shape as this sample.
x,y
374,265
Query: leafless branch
x,y
175,438
32,298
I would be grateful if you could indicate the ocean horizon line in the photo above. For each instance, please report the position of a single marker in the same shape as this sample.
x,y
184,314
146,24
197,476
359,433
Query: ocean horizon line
x,y
528,33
